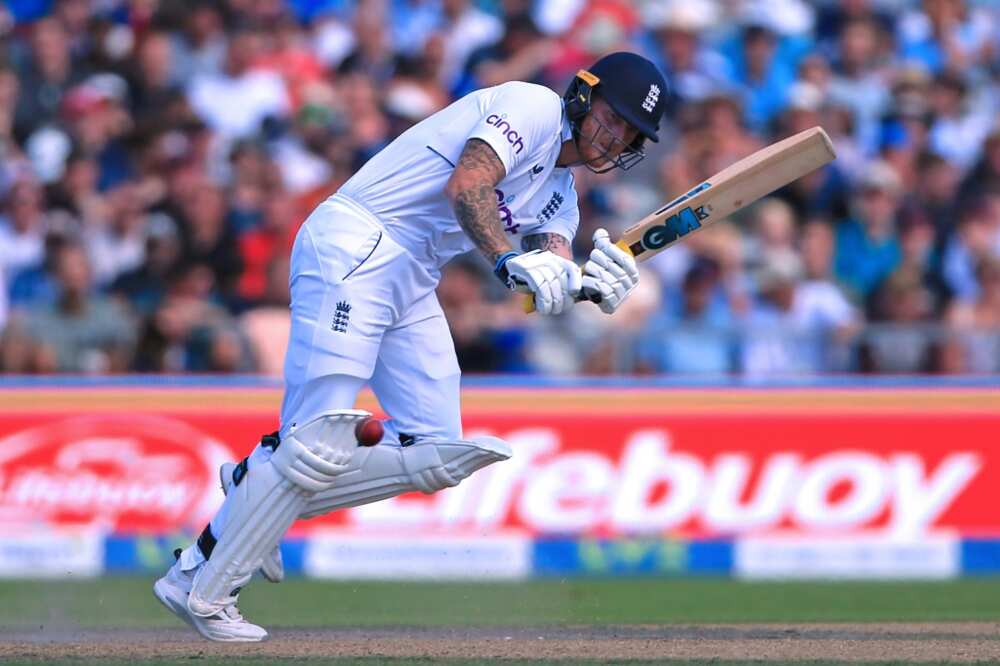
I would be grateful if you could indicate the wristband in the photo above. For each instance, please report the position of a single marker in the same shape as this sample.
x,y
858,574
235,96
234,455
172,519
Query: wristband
x,y
500,269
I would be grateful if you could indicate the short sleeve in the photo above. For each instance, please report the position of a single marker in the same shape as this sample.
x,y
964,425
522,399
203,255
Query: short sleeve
x,y
565,223
517,120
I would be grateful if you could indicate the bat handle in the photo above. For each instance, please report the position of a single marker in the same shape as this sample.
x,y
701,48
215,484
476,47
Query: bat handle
x,y
584,295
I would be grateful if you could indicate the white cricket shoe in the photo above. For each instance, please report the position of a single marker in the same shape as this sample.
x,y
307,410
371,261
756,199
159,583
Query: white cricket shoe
x,y
226,626
271,567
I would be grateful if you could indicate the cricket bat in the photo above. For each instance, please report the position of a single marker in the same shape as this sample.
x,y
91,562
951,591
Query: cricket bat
x,y
733,188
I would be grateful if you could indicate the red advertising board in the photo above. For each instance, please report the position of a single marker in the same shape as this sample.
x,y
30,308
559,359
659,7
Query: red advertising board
x,y
692,463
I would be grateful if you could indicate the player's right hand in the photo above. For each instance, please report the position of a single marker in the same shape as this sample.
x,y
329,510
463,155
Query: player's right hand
x,y
610,275
554,281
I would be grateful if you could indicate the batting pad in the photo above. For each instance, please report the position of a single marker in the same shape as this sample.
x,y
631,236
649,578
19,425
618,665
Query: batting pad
x,y
267,502
381,472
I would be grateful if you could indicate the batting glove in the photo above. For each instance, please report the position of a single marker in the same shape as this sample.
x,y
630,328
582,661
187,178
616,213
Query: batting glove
x,y
554,281
610,275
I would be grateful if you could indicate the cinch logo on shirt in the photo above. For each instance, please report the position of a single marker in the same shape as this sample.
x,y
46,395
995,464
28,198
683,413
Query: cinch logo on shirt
x,y
652,97
509,133
505,215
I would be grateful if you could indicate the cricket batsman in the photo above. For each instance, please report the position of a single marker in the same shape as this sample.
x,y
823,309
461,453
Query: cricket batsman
x,y
490,171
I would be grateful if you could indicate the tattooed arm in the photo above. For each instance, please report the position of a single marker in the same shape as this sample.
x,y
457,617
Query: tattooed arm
x,y
548,241
471,192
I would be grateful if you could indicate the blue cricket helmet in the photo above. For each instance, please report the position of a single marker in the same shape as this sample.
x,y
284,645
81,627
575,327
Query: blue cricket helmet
x,y
631,84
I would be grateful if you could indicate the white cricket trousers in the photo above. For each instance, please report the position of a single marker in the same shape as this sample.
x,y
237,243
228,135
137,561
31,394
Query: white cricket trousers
x,y
364,310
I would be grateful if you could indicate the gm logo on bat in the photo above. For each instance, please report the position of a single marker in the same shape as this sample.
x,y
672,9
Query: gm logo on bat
x,y
677,225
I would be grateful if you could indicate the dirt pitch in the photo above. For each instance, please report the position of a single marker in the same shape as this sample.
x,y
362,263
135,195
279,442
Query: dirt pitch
x,y
956,642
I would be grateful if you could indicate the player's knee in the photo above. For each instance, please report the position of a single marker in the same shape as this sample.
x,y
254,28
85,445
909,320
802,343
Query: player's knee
x,y
313,455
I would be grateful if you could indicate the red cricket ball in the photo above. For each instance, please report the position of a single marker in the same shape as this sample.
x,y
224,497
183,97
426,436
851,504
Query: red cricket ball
x,y
369,431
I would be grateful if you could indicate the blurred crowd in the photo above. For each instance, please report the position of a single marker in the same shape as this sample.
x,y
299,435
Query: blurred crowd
x,y
158,157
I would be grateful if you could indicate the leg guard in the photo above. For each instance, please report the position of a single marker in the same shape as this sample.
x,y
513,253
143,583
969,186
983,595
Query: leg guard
x,y
271,566
381,472
267,502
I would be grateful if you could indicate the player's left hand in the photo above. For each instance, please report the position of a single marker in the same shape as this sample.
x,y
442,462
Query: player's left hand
x,y
610,274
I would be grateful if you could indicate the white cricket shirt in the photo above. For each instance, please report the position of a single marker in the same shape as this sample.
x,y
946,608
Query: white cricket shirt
x,y
403,185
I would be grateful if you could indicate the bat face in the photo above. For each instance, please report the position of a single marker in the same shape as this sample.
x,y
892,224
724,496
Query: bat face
x,y
674,227
734,187
729,190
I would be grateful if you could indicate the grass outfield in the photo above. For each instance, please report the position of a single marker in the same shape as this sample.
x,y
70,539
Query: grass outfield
x,y
379,661
124,608
128,602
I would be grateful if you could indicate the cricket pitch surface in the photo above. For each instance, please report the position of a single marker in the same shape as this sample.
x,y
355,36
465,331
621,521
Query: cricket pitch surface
x,y
952,642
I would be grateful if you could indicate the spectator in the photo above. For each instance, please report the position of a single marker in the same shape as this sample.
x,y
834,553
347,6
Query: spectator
x,y
37,284
10,87
208,239
235,101
904,345
860,80
77,191
3,309
372,56
479,347
155,80
266,325
985,174
961,121
975,343
918,256
795,326
466,28
975,241
183,143
695,332
833,16
260,247
45,76
289,55
820,304
947,35
22,228
201,46
117,244
693,69
774,230
521,55
145,286
762,78
936,194
299,155
189,332
867,246
96,116
824,191
81,332
369,125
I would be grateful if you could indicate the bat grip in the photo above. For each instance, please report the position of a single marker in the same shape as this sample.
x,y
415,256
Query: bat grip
x,y
584,295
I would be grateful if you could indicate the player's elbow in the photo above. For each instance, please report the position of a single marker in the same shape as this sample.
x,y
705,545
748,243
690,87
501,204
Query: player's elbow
x,y
464,184
453,188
